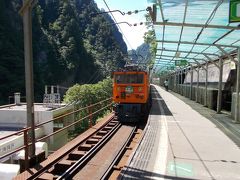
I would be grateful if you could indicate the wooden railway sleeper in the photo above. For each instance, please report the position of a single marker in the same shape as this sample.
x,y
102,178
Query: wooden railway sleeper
x,y
79,152
85,147
96,137
70,172
92,141
62,166
107,128
102,133
75,155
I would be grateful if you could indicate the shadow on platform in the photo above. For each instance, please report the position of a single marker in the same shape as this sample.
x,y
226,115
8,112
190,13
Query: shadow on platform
x,y
133,173
156,101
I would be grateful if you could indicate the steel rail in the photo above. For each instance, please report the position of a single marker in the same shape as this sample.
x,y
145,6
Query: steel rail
x,y
68,174
118,156
48,166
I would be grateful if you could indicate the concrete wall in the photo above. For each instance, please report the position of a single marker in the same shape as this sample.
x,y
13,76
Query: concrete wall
x,y
16,142
233,105
58,140
67,119
18,118
184,90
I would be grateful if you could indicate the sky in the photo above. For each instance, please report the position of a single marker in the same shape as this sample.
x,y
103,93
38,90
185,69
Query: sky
x,y
133,36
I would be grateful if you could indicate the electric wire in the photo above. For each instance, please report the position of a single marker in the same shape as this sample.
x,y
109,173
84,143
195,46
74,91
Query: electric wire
x,y
117,24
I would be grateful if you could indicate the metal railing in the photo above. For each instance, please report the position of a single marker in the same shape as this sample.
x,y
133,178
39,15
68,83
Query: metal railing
x,y
24,131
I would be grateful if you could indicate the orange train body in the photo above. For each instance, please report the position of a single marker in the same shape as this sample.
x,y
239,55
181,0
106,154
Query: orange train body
x,y
131,91
131,87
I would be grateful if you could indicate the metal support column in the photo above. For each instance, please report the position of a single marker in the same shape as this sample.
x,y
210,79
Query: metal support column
x,y
206,85
197,89
219,98
181,82
237,89
175,89
26,12
191,84
177,81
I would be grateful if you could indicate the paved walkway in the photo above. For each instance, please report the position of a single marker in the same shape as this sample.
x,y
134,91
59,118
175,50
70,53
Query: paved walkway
x,y
180,143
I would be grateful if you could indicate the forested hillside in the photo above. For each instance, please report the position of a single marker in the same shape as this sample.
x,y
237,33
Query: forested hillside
x,y
71,44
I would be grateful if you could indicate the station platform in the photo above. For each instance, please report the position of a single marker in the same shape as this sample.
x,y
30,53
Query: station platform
x,y
181,143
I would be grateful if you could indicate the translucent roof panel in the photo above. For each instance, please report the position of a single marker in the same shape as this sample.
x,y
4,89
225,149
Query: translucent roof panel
x,y
177,8
200,56
210,35
237,43
159,32
167,53
169,46
199,48
185,47
230,38
199,11
189,33
211,50
205,26
172,33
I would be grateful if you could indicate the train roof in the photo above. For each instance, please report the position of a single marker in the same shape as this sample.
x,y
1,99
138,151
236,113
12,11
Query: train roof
x,y
133,68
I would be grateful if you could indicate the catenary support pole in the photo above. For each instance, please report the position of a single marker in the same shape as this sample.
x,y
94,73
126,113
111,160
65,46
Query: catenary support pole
x,y
219,98
27,29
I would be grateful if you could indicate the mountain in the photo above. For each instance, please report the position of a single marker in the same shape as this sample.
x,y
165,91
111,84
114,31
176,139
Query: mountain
x,y
70,45
141,54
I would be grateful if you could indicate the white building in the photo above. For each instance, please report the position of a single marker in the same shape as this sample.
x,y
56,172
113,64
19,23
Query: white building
x,y
13,118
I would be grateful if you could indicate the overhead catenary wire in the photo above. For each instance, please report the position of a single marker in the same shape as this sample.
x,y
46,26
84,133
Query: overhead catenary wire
x,y
117,24
97,74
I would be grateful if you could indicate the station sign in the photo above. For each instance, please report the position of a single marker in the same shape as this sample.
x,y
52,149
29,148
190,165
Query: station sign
x,y
234,11
181,63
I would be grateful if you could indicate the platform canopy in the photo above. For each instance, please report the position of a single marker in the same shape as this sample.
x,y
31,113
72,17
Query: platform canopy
x,y
192,32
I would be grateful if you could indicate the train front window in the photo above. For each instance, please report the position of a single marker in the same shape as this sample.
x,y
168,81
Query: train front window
x,y
129,78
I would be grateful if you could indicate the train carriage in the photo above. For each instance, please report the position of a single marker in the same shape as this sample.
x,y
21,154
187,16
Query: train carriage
x,y
131,90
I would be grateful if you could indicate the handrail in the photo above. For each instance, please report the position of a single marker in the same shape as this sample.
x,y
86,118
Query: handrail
x,y
24,131
56,118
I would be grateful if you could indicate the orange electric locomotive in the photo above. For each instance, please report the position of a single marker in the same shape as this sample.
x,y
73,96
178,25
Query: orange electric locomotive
x,y
131,91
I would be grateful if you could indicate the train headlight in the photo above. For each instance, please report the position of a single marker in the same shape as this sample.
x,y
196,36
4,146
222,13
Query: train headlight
x,y
140,89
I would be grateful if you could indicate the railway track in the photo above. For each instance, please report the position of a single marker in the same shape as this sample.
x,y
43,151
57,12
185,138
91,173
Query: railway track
x,y
119,155
95,156
65,166
103,163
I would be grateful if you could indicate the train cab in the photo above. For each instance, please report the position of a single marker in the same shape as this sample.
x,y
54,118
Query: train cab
x,y
130,94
